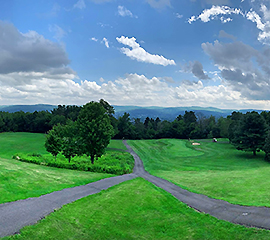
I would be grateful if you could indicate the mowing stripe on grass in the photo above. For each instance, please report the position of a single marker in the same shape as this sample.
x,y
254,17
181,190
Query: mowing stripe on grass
x,y
15,215
244,215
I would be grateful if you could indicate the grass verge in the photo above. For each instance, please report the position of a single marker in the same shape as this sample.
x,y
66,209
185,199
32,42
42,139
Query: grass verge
x,y
23,180
217,170
134,210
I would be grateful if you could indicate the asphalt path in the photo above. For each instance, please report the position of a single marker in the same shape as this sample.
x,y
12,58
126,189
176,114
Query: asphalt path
x,y
244,215
16,215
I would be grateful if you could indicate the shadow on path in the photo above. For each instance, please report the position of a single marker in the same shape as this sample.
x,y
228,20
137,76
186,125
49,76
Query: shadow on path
x,y
16,215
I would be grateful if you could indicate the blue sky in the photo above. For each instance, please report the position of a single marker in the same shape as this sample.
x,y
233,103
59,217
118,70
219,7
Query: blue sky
x,y
136,52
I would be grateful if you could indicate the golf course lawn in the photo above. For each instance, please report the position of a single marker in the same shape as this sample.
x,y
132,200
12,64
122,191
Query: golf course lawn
x,y
19,180
134,210
217,170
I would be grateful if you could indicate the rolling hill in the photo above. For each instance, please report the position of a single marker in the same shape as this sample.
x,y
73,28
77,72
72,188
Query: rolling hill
x,y
169,113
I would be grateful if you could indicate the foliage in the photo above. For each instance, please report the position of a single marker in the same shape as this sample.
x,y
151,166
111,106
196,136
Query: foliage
x,y
234,124
94,130
189,125
250,133
89,135
134,210
70,146
266,147
53,143
125,127
113,162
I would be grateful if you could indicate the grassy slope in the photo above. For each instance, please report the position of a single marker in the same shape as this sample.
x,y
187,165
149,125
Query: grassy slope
x,y
22,180
213,169
12,143
117,144
134,210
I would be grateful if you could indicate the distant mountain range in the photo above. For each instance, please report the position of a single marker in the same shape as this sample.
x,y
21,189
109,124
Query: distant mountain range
x,y
138,112
172,112
27,108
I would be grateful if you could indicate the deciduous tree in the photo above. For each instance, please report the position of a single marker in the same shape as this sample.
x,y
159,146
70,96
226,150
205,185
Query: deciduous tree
x,y
53,143
94,130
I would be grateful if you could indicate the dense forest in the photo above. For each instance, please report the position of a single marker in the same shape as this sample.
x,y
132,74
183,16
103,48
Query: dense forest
x,y
188,125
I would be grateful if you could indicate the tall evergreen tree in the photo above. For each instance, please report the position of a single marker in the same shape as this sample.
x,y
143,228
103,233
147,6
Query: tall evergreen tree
x,y
251,133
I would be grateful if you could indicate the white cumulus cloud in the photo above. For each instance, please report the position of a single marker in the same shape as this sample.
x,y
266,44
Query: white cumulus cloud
x,y
138,53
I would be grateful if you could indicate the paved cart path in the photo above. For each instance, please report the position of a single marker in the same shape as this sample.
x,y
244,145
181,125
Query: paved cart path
x,y
248,216
16,215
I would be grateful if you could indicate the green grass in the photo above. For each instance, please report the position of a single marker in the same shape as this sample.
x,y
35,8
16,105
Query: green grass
x,y
22,146
23,180
11,143
20,180
117,144
134,210
217,169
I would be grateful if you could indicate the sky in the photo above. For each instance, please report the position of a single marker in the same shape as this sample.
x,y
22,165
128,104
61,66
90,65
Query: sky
x,y
168,53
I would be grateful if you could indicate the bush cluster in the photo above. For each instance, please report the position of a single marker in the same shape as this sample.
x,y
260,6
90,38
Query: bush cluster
x,y
112,162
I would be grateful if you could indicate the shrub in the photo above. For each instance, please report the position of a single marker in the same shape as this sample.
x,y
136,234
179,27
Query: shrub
x,y
113,162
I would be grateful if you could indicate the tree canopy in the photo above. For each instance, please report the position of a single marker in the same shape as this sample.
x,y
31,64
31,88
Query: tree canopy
x,y
94,130
250,133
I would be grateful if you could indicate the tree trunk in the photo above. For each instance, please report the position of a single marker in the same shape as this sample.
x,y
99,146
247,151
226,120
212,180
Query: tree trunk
x,y
92,159
55,157
254,152
69,159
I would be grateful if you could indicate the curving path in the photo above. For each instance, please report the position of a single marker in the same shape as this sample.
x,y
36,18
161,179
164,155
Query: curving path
x,y
16,215
244,215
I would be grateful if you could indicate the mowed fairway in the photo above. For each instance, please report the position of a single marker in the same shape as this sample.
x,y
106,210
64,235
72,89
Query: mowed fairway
x,y
19,180
134,210
214,169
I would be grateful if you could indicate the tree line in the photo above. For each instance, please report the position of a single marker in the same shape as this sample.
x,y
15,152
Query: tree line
x,y
246,131
188,125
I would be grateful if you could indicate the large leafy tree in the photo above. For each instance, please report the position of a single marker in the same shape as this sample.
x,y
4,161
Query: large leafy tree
x,y
53,143
266,147
94,130
250,133
70,144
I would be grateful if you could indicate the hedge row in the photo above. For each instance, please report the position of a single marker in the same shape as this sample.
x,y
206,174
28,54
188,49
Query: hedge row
x,y
118,163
